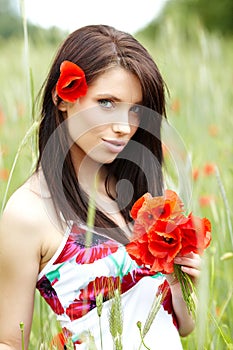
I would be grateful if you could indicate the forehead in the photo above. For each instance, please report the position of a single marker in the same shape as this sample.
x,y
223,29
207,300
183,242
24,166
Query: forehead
x,y
119,83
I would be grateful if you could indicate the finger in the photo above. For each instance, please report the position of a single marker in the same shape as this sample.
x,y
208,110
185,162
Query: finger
x,y
191,271
191,255
189,262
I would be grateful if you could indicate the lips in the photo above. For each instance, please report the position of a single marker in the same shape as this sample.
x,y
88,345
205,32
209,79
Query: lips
x,y
114,146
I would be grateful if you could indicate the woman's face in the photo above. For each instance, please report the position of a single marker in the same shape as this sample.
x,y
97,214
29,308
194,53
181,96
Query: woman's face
x,y
103,121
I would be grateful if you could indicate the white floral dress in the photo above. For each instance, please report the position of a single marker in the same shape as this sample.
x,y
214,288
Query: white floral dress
x,y
77,280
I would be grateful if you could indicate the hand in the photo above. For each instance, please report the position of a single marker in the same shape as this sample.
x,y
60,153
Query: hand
x,y
190,264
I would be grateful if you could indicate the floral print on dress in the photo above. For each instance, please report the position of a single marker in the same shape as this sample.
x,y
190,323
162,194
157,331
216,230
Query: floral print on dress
x,y
72,282
49,294
76,247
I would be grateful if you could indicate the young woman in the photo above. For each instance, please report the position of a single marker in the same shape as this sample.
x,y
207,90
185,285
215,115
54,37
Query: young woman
x,y
99,141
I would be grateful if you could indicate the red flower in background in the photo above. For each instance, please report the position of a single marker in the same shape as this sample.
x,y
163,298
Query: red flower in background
x,y
4,174
175,106
209,169
161,231
72,82
195,174
213,130
206,201
2,117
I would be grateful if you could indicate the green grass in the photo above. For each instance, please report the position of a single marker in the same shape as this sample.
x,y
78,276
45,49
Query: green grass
x,y
198,73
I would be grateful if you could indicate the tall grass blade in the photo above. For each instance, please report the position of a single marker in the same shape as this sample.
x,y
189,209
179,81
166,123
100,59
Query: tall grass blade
x,y
22,144
225,201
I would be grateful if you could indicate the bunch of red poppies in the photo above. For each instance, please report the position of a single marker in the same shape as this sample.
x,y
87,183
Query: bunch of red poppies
x,y
162,231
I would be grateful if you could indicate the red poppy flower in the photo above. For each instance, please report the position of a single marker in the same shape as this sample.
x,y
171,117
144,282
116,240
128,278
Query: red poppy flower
x,y
209,169
195,174
138,251
175,106
148,209
164,244
213,130
196,235
205,201
2,117
138,204
72,82
4,174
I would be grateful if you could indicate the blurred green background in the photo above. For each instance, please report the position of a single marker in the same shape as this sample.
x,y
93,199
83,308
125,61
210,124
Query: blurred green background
x,y
191,42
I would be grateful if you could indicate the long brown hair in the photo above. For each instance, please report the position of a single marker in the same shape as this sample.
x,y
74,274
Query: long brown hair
x,y
95,48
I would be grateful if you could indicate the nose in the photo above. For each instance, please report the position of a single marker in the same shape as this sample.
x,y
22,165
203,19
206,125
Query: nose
x,y
120,123
121,128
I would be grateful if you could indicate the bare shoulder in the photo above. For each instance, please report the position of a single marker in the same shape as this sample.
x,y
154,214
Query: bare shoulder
x,y
23,208
30,207
29,220
21,222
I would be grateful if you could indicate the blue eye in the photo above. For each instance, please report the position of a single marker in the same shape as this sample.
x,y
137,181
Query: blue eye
x,y
105,103
135,109
135,113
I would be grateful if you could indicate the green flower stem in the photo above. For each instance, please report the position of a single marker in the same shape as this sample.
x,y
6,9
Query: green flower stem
x,y
188,289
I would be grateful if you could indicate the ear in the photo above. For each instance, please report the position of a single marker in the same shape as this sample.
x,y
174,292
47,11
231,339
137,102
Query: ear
x,y
62,106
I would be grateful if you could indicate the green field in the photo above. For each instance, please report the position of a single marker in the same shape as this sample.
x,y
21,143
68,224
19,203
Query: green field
x,y
198,72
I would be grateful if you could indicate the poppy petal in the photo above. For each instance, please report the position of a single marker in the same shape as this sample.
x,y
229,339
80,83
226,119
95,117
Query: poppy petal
x,y
72,82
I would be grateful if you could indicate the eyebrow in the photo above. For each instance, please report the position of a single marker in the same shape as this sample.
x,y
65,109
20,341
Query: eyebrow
x,y
112,97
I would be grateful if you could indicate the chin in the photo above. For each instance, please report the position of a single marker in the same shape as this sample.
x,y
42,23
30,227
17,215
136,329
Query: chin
x,y
109,161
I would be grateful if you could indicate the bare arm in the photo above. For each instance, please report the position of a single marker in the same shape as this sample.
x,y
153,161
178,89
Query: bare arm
x,y
19,265
191,265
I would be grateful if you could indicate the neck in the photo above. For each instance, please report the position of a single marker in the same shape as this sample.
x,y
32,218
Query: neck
x,y
90,174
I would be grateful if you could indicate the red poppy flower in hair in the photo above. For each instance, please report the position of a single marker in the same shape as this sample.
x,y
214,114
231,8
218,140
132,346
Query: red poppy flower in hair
x,y
72,82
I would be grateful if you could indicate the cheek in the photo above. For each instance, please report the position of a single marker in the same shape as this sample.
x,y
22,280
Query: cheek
x,y
85,142
134,121
133,131
81,124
